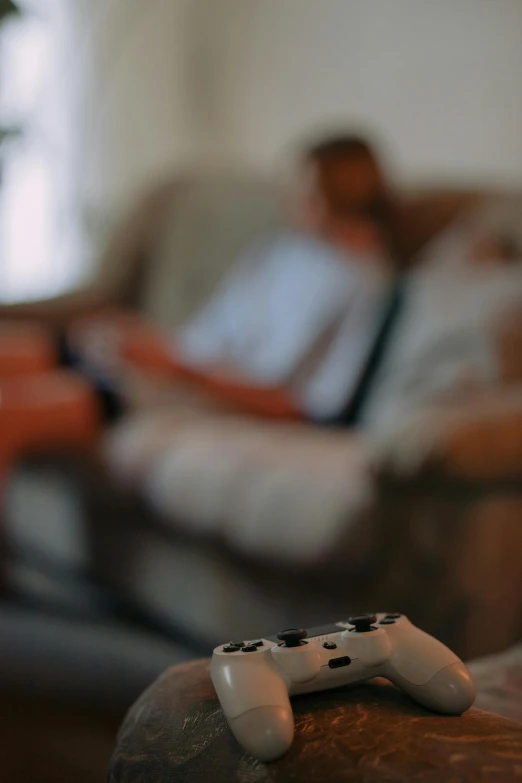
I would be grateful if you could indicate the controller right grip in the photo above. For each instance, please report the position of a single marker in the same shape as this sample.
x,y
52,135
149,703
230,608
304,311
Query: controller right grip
x,y
451,691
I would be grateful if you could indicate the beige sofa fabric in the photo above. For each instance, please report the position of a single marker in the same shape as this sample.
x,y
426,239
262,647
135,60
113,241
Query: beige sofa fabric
x,y
279,490
270,489
207,224
477,435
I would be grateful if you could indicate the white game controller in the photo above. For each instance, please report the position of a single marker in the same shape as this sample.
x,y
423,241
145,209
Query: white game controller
x,y
254,680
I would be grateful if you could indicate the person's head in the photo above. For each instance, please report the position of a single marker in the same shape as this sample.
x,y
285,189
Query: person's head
x,y
345,197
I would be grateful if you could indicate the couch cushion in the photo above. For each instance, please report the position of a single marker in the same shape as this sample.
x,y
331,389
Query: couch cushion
x,y
207,224
209,219
284,491
476,436
447,338
91,662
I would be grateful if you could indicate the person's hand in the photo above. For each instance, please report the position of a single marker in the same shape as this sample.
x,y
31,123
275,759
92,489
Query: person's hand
x,y
114,340
147,348
100,339
142,391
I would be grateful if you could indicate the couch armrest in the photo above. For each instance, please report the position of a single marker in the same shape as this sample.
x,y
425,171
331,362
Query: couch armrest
x,y
478,438
119,271
368,732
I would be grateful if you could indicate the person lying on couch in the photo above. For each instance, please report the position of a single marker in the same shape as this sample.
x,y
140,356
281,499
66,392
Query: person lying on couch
x,y
285,336
287,333
400,339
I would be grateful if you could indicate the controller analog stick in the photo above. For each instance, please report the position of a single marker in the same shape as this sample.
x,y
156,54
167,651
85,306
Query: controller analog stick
x,y
292,637
363,622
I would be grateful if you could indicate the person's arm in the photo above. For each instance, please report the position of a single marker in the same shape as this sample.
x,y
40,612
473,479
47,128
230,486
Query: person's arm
x,y
245,345
123,258
271,402
150,352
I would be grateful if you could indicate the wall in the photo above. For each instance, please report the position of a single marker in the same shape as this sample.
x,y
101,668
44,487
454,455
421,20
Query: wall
x,y
106,115
138,88
134,101
440,80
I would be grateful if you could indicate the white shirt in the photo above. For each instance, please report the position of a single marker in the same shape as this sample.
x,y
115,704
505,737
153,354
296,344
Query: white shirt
x,y
293,313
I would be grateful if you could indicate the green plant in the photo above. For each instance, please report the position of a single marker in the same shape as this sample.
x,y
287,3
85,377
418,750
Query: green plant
x,y
8,8
8,133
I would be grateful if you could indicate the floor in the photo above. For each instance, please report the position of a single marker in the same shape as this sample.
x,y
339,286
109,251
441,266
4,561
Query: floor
x,y
54,743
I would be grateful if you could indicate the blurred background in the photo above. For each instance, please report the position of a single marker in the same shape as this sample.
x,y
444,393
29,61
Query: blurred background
x,y
143,145
111,95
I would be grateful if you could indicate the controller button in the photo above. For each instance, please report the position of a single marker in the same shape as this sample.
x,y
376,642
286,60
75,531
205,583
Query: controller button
x,y
292,637
393,616
388,621
256,643
330,646
336,663
237,644
249,648
363,622
228,648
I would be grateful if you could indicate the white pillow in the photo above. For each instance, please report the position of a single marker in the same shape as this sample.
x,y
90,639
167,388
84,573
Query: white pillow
x,y
444,337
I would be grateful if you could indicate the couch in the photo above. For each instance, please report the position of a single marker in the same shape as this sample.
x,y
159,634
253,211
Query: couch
x,y
224,526
368,732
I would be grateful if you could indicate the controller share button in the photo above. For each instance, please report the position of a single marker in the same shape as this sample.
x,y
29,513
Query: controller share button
x,y
337,663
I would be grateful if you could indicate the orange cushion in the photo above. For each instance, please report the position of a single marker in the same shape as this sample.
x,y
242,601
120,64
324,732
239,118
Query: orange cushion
x,y
45,411
25,349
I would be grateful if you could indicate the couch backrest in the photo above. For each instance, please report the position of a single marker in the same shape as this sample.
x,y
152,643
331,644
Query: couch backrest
x,y
210,220
207,224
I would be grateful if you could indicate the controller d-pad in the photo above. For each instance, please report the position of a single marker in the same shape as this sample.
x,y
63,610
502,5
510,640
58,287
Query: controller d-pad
x,y
229,648
249,648
237,644
256,642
